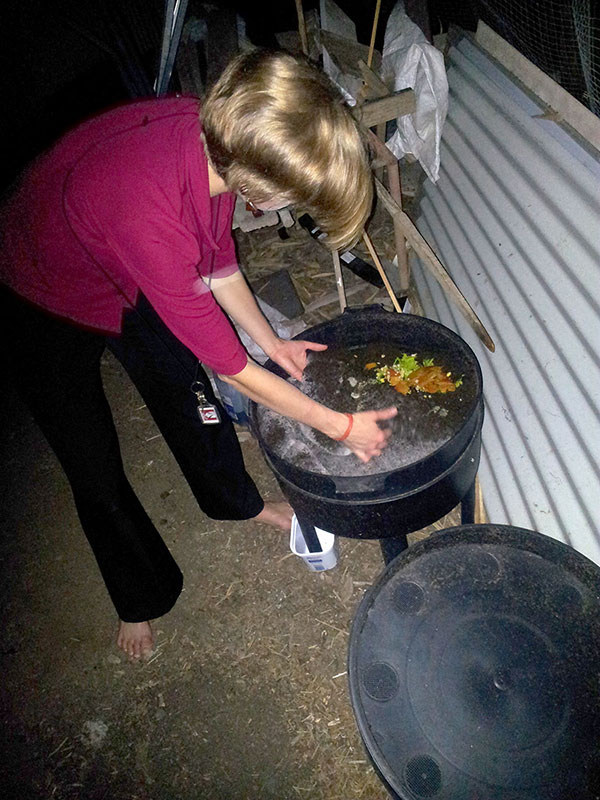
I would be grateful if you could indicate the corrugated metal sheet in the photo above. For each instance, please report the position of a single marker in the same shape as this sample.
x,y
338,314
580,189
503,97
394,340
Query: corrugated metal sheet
x,y
515,217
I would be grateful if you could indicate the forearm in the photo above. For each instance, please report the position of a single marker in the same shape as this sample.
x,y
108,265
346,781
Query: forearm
x,y
236,299
277,394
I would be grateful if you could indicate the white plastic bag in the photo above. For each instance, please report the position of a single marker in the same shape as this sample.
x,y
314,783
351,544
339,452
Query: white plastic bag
x,y
409,61
283,327
234,402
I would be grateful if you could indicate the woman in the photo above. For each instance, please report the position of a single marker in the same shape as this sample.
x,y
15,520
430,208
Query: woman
x,y
119,237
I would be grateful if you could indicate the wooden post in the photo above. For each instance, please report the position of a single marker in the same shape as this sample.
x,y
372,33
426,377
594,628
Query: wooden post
x,y
393,174
481,517
376,88
302,27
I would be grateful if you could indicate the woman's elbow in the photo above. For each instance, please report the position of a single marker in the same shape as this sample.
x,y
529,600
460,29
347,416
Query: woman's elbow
x,y
238,378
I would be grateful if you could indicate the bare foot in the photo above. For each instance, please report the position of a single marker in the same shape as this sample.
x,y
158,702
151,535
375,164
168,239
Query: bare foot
x,y
135,639
277,514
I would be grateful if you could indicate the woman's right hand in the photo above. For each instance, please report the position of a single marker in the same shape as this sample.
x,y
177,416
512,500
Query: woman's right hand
x,y
366,439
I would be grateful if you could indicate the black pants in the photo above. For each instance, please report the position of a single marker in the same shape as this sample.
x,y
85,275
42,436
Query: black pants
x,y
56,367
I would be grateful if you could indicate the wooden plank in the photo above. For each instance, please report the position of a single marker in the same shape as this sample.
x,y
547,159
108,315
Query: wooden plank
x,y
373,83
574,113
331,297
373,87
402,255
347,53
384,154
387,158
393,106
433,264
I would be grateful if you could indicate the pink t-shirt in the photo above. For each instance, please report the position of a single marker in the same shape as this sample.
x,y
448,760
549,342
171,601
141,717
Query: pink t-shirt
x,y
121,204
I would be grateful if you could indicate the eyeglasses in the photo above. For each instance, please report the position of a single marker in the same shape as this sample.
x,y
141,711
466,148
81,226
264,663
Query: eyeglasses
x,y
251,207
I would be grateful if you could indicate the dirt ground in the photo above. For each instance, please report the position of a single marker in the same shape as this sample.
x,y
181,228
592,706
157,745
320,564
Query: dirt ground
x,y
246,695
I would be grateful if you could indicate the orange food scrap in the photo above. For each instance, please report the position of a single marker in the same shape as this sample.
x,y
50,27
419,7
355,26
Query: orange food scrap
x,y
407,374
432,380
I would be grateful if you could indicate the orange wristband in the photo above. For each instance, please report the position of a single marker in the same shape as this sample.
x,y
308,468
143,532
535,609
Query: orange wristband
x,y
348,429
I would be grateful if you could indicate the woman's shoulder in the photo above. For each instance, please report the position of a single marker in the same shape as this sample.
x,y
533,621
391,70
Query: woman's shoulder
x,y
141,147
144,184
142,124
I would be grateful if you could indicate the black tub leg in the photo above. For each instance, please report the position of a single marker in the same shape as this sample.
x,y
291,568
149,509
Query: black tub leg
x,y
310,535
467,507
391,546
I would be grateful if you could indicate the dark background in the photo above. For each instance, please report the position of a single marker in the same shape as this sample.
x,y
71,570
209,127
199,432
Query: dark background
x,y
63,60
67,59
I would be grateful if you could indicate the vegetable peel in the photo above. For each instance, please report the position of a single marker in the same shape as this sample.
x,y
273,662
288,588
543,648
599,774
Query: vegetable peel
x,y
406,373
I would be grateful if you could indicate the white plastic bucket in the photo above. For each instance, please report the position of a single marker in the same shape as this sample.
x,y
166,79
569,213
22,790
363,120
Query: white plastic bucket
x,y
326,558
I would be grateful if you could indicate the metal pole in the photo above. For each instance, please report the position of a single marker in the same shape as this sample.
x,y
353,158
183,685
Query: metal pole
x,y
467,507
310,535
392,546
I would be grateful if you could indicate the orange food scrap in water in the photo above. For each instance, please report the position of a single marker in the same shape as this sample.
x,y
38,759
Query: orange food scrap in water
x,y
402,386
431,380
407,374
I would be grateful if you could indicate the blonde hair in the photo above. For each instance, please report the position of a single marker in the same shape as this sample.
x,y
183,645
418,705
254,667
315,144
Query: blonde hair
x,y
276,126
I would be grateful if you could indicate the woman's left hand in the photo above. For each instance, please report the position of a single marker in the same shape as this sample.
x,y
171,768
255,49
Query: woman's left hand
x,y
291,354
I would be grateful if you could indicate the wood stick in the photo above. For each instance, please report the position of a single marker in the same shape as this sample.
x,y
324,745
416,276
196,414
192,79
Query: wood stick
x,y
302,27
384,277
481,516
433,264
374,32
339,280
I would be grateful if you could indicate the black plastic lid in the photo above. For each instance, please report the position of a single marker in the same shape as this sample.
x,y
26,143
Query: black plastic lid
x,y
474,668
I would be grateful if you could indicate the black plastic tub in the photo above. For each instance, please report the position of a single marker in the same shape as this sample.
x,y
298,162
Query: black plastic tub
x,y
399,500
390,510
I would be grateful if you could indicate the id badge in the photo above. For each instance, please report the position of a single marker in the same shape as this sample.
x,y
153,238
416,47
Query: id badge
x,y
208,413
